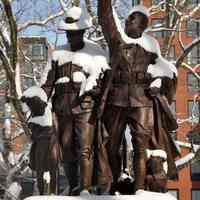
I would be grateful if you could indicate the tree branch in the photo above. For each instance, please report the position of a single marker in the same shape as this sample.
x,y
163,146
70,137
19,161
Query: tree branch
x,y
13,31
186,51
39,22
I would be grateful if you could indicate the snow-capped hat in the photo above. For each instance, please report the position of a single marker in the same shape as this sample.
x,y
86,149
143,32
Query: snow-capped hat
x,y
140,8
76,18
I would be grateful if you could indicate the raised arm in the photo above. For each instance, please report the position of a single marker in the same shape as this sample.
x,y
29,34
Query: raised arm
x,y
108,24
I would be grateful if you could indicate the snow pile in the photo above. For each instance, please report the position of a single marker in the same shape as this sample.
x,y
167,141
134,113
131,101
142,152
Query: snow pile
x,y
35,91
42,120
140,8
125,176
45,119
82,19
47,177
92,58
156,153
140,195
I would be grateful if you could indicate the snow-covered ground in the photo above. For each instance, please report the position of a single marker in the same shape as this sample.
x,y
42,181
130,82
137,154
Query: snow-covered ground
x,y
140,195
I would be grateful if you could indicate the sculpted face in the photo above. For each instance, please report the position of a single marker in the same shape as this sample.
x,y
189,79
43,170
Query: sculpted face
x,y
75,38
135,24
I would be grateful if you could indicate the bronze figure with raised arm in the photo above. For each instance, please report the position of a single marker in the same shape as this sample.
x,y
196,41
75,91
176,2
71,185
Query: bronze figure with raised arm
x,y
136,94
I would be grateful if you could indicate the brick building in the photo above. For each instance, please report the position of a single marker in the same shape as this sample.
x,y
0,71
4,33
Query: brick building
x,y
187,187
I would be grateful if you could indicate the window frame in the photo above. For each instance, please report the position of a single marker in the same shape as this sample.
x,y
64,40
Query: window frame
x,y
188,110
192,192
190,89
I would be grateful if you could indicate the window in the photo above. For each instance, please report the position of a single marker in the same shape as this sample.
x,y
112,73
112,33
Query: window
x,y
136,2
193,83
2,102
194,55
157,23
174,193
195,194
193,2
38,51
193,28
193,111
155,2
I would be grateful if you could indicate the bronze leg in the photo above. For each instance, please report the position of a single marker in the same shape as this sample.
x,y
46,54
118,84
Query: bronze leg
x,y
115,122
85,134
141,124
40,182
69,150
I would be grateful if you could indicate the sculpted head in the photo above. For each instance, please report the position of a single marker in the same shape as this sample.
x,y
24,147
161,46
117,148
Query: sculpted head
x,y
76,21
137,21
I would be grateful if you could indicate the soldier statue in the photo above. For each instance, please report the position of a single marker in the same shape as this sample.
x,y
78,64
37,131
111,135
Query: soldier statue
x,y
137,93
71,83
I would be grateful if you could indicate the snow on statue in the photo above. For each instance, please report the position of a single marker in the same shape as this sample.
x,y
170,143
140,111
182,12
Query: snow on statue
x,y
72,82
140,195
138,92
44,155
93,103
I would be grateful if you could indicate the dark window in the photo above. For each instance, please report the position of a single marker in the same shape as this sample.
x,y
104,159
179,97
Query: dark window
x,y
38,51
194,56
193,28
155,2
193,111
195,194
193,2
136,2
2,102
193,83
174,193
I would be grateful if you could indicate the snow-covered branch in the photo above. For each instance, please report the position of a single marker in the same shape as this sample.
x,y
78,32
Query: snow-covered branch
x,y
188,158
39,22
13,31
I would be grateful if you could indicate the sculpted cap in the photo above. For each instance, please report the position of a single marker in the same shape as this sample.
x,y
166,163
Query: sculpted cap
x,y
140,8
76,18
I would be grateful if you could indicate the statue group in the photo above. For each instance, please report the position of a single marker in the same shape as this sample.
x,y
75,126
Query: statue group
x,y
94,97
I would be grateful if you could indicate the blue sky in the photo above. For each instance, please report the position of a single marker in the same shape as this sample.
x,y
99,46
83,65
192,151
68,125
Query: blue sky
x,y
39,9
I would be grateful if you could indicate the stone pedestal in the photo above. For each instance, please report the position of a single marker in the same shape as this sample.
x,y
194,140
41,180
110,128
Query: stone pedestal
x,y
140,195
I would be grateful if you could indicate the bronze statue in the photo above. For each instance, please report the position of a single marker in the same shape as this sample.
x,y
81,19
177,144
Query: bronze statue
x,y
137,92
75,70
45,151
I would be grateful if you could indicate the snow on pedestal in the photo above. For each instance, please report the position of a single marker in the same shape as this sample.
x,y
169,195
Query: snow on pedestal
x,y
140,195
